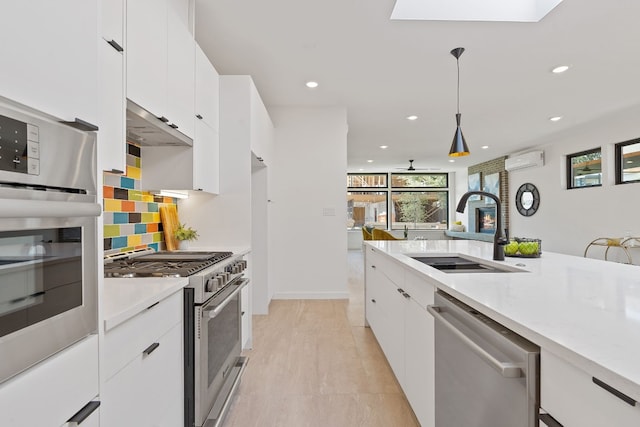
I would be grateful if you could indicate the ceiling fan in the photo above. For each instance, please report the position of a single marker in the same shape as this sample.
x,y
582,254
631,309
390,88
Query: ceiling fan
x,y
411,168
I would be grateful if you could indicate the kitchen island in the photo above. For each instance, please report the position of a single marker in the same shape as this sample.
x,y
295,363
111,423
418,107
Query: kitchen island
x,y
585,312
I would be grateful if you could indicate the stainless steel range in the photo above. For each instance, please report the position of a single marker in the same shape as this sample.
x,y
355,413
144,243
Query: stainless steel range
x,y
212,323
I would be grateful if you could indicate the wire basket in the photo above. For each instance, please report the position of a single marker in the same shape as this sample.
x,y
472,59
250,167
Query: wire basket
x,y
527,248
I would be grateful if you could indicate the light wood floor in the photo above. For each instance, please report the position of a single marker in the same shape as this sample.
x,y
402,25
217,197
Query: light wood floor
x,y
314,363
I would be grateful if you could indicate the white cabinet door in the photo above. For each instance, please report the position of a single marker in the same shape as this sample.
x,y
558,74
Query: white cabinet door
x,y
419,362
49,54
112,138
246,311
148,392
180,73
51,392
574,398
147,54
206,159
112,18
207,91
161,60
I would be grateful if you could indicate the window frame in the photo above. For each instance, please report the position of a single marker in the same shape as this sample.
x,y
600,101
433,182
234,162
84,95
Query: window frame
x,y
569,168
619,165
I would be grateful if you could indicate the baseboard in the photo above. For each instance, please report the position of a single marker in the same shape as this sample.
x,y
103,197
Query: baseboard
x,y
311,295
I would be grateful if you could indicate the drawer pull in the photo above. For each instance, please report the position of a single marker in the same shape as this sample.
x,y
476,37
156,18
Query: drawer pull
x,y
373,301
84,413
549,420
153,305
114,44
151,348
615,392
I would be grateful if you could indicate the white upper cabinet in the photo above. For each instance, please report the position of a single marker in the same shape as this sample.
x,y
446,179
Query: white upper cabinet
x,y
160,60
49,54
112,19
112,138
206,159
207,91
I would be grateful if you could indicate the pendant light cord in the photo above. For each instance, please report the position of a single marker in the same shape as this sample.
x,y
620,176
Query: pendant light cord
x,y
458,65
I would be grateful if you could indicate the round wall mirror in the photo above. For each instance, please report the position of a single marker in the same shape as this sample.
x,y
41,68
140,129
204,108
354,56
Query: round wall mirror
x,y
527,199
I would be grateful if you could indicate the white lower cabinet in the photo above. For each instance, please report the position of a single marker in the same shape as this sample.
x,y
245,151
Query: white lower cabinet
x,y
51,392
146,389
403,328
576,398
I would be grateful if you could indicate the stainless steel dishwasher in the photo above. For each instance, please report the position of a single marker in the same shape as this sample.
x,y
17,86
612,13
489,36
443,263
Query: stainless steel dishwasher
x,y
485,374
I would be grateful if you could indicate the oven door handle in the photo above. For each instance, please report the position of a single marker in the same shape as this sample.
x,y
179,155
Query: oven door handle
x,y
19,208
215,311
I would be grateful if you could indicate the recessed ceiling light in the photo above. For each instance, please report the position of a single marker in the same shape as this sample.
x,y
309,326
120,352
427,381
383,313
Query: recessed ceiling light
x,y
312,85
384,147
555,119
369,161
484,147
560,69
412,118
451,161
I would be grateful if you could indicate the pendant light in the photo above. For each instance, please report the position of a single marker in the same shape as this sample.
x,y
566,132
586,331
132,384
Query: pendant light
x,y
459,145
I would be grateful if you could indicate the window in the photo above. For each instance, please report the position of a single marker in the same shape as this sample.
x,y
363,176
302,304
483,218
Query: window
x,y
431,180
366,180
628,161
366,207
419,201
419,210
584,169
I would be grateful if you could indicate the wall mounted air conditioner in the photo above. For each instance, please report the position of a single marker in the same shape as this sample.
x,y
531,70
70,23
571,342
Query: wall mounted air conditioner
x,y
526,160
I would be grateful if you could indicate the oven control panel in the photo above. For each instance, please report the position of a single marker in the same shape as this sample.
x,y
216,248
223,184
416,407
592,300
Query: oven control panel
x,y
19,146
218,280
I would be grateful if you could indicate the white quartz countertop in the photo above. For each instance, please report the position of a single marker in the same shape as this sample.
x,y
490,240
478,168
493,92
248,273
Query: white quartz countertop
x,y
124,298
584,310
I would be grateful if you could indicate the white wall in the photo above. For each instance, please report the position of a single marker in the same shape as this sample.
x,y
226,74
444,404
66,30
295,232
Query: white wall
x,y
308,249
568,220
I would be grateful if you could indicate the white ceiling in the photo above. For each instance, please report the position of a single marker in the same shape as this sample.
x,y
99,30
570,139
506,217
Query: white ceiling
x,y
384,70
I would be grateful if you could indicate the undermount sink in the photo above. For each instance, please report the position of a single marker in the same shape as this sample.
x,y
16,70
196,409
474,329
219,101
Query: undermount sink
x,y
458,264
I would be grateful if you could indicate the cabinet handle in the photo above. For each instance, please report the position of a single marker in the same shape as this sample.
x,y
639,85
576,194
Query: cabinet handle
x,y
84,413
400,290
198,116
549,420
615,392
81,125
116,171
242,313
373,266
163,119
151,348
406,295
373,301
173,125
114,44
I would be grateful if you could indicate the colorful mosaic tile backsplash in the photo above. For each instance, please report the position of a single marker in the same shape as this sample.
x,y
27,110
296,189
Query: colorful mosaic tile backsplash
x,y
131,216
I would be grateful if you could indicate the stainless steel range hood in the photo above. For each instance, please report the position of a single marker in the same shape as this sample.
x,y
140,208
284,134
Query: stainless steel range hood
x,y
146,129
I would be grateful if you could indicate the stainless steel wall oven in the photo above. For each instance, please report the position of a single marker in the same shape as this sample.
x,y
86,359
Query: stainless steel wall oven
x,y
48,237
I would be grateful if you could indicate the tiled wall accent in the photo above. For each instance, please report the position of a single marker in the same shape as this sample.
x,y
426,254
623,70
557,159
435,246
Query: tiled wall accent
x,y
131,216
491,167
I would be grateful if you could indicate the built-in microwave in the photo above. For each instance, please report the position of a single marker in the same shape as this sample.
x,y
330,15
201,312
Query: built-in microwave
x,y
48,237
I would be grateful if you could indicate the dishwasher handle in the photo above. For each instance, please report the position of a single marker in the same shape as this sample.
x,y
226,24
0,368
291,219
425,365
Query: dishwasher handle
x,y
507,370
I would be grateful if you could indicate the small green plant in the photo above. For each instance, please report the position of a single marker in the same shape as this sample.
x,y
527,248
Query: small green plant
x,y
186,233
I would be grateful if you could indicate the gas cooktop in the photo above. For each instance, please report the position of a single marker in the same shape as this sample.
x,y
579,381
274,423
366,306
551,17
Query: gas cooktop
x,y
164,264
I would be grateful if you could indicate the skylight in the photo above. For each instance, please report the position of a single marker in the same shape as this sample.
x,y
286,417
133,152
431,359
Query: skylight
x,y
473,10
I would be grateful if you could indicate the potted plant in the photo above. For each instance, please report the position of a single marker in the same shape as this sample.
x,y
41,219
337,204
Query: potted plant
x,y
184,235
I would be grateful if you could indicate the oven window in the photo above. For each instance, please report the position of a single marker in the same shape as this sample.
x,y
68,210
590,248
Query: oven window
x,y
40,275
224,335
